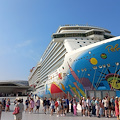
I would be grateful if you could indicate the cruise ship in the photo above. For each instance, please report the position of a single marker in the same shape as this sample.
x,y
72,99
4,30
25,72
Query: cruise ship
x,y
78,58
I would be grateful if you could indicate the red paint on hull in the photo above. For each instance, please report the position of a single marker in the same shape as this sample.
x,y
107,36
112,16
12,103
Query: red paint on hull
x,y
55,89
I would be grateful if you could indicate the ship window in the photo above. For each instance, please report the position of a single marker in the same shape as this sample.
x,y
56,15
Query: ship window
x,y
68,35
80,45
78,42
81,38
98,33
89,42
83,42
75,38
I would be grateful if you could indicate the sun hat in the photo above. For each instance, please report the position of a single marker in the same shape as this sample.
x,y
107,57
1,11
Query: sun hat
x,y
116,97
19,98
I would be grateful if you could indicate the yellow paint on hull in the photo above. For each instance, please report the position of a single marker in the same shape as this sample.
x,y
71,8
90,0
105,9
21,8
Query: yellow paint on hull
x,y
74,90
63,87
81,91
115,84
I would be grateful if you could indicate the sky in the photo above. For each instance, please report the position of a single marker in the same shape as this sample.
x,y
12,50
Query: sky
x,y
26,27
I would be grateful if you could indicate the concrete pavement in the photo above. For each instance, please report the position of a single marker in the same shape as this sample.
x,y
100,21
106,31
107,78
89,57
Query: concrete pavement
x,y
42,116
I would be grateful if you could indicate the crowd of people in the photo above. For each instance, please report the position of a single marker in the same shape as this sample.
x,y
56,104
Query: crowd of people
x,y
88,107
6,104
106,107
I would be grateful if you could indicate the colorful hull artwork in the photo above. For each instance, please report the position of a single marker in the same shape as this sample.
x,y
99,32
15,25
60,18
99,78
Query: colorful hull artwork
x,y
97,68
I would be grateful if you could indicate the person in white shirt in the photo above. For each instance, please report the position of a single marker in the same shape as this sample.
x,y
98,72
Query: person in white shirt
x,y
106,106
97,107
52,104
83,106
88,104
58,107
64,106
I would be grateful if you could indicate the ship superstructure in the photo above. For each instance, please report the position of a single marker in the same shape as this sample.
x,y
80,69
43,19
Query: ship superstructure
x,y
58,71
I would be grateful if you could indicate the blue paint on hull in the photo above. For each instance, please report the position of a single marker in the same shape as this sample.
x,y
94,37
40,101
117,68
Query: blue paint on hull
x,y
93,70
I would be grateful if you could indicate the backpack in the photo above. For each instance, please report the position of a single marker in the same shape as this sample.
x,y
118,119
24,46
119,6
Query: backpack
x,y
16,110
56,104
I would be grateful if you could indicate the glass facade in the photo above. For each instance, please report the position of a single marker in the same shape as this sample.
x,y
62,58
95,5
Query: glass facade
x,y
80,34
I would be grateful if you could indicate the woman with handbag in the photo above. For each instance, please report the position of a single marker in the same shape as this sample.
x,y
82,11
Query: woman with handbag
x,y
18,110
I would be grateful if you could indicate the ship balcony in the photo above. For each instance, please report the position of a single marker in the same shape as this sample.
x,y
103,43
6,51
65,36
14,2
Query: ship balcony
x,y
96,37
58,39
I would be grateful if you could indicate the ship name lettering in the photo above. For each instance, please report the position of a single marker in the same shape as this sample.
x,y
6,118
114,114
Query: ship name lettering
x,y
112,49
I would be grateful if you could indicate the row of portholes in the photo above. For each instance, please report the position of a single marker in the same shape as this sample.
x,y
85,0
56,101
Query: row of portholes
x,y
81,58
84,39
86,45
87,42
81,45
87,39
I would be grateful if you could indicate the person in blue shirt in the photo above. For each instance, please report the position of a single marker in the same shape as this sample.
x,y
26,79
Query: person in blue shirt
x,y
112,100
27,104
67,101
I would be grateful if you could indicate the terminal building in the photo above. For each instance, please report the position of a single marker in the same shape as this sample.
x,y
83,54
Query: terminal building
x,y
14,88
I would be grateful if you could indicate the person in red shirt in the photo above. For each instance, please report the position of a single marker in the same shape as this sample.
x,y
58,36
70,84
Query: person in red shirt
x,y
116,108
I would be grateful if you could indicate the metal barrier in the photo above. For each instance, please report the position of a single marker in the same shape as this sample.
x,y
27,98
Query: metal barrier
x,y
100,93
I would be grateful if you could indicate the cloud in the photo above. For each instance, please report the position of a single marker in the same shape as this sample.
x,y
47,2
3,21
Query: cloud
x,y
24,44
14,48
